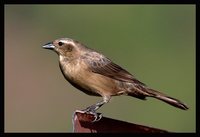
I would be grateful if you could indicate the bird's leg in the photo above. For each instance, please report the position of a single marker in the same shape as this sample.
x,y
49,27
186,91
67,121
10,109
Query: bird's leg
x,y
92,109
96,106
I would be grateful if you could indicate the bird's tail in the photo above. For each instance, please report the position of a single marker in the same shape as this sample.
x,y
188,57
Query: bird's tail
x,y
167,99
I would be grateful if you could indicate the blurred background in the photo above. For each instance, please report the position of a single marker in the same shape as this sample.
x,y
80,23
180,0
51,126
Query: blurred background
x,y
156,43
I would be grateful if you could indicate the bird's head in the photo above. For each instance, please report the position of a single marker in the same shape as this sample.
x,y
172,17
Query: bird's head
x,y
66,47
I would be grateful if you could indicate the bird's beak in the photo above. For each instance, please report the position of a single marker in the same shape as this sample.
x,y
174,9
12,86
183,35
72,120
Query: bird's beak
x,y
49,46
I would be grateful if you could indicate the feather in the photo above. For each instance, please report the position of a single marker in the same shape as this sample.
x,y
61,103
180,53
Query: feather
x,y
104,66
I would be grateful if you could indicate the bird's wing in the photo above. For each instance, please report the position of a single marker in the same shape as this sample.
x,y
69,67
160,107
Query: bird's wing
x,y
104,66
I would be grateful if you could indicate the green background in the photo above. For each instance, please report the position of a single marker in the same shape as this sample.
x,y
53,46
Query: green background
x,y
156,43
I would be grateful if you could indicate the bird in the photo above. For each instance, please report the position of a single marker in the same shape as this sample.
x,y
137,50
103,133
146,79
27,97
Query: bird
x,y
97,75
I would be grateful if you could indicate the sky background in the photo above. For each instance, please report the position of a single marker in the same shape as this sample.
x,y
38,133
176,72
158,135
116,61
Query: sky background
x,y
156,43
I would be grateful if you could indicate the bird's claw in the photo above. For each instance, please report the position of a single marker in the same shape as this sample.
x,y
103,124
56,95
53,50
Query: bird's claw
x,y
90,110
97,116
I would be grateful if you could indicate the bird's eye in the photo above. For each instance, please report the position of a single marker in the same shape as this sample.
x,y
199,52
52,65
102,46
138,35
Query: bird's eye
x,y
60,43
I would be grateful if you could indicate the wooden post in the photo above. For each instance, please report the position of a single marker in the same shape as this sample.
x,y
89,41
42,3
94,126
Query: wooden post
x,y
82,122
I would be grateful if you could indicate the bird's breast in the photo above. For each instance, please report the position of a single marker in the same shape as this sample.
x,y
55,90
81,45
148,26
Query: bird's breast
x,y
70,68
78,74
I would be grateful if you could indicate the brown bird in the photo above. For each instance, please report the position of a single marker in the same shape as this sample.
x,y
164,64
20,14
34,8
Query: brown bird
x,y
95,74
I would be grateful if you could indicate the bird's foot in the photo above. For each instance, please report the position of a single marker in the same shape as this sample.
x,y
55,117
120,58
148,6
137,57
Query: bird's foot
x,y
97,116
91,110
